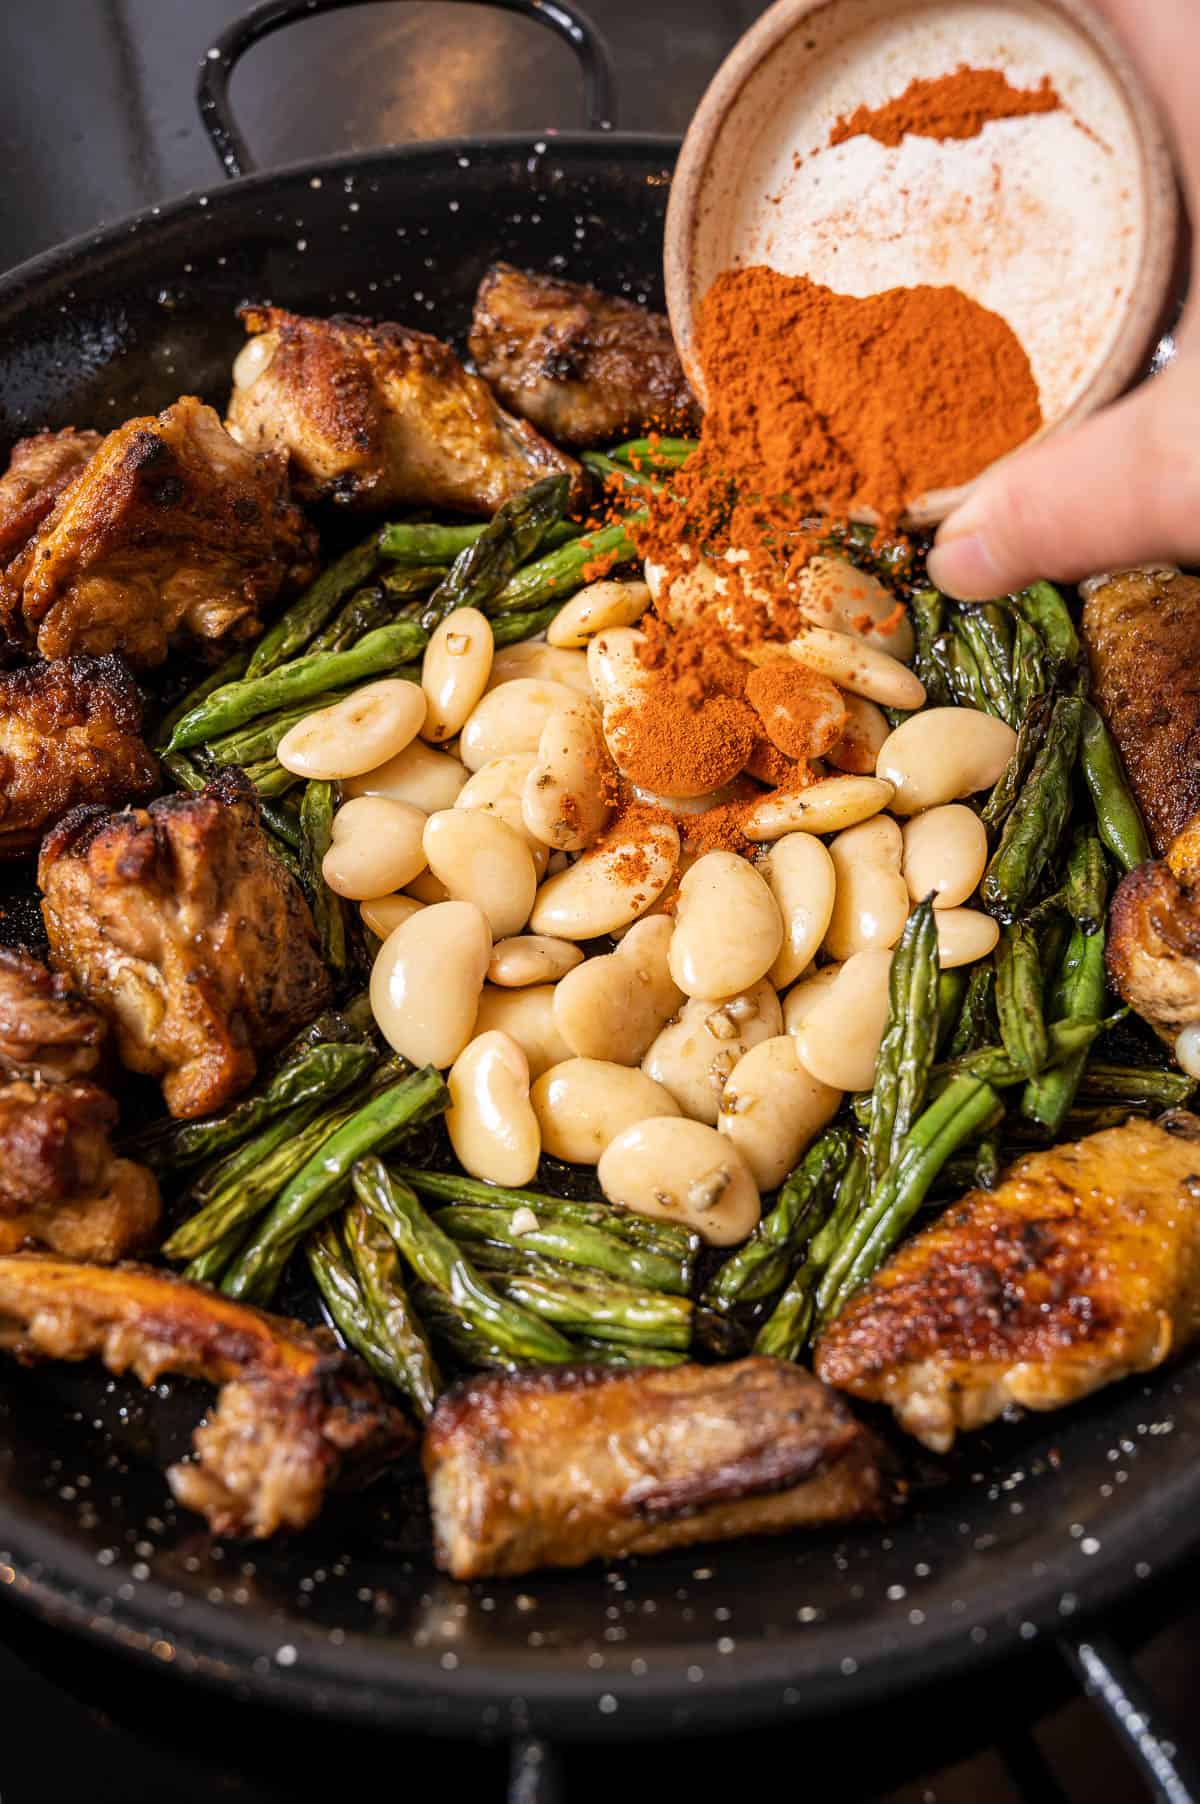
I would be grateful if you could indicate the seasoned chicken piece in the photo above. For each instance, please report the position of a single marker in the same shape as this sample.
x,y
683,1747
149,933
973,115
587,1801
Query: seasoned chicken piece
x,y
1081,1267
60,1185
1142,631
39,469
555,1468
293,1416
172,527
181,926
70,732
45,1031
1153,949
373,415
585,367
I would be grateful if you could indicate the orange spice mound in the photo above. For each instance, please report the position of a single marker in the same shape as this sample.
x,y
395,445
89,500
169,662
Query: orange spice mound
x,y
803,713
688,731
957,105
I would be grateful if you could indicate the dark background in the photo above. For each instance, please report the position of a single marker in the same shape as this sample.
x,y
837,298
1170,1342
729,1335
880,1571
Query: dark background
x,y
97,120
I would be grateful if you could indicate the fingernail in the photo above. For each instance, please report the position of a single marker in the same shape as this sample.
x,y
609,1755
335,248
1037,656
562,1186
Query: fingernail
x,y
964,566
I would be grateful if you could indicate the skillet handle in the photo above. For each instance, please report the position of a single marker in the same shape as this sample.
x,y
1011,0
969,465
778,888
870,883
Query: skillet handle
x,y
212,86
1111,1682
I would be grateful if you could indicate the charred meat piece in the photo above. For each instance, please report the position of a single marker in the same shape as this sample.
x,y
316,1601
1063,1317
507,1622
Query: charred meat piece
x,y
294,1414
559,1467
45,1031
60,1185
172,527
1142,630
373,415
1153,950
181,926
1081,1267
70,732
585,367
39,469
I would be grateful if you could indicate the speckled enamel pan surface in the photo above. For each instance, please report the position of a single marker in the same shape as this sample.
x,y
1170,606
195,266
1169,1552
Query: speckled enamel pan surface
x,y
1028,1528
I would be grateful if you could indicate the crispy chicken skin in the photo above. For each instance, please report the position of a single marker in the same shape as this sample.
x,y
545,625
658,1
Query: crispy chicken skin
x,y
171,527
585,367
60,1185
70,732
1081,1267
1153,947
373,415
45,1031
1142,631
181,926
555,1468
294,1414
39,469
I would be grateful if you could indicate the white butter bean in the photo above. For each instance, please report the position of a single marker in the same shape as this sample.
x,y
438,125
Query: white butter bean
x,y
699,592
563,800
527,1016
824,807
943,754
531,958
728,931
839,1040
772,1107
964,935
597,609
832,592
490,1120
375,848
497,788
363,730
610,885
427,888
945,854
686,1173
803,997
583,1104
858,667
694,1055
383,914
801,877
866,730
455,671
481,859
614,668
546,663
510,719
429,780
612,1007
427,979
871,905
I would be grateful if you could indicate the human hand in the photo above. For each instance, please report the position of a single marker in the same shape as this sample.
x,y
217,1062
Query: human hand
x,y
1124,487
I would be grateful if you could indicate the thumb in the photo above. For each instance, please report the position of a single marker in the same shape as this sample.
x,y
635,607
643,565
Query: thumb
x,y
1121,489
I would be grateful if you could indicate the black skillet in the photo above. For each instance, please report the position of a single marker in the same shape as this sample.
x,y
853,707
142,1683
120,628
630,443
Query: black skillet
x,y
1034,1526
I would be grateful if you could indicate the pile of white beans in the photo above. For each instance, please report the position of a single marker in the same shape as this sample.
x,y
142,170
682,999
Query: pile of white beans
x,y
694,1061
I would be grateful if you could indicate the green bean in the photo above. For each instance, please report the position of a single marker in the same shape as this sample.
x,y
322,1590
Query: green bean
x,y
410,582
610,1353
376,1262
909,1042
510,628
412,544
640,1230
345,1301
1019,999
570,1242
512,1335
260,738
761,1265
380,653
1030,736
962,674
366,610
992,656
1030,677
183,771
1118,817
1136,1083
654,450
330,912
557,575
207,1267
613,1312
1034,827
319,602
317,1187
611,471
1046,612
966,1108
283,822
974,1025
997,1066
927,610
891,558
516,529
951,996
228,671
1079,999
784,1332
269,778
1086,894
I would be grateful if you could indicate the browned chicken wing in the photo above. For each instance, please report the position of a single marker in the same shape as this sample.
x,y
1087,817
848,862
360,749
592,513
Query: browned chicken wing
x,y
60,1185
555,1468
39,469
373,415
171,527
45,1031
1142,630
1081,1267
70,732
181,926
294,1414
585,367
1153,949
